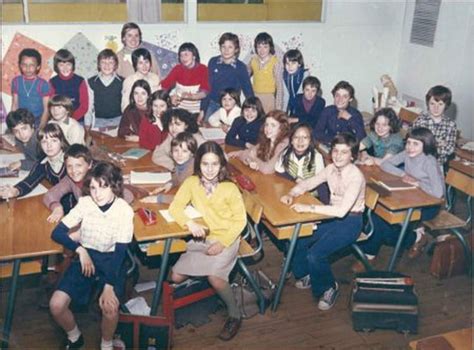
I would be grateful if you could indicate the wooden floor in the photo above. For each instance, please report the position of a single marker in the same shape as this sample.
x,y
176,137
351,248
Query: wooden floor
x,y
445,305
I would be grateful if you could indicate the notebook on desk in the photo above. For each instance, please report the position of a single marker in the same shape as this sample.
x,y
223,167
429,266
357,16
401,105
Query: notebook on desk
x,y
134,153
395,185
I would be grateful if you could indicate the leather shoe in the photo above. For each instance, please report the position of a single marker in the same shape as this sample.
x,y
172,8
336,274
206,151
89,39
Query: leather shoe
x,y
417,248
230,329
359,267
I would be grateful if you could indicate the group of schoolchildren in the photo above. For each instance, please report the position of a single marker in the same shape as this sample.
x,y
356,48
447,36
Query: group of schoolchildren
x,y
275,129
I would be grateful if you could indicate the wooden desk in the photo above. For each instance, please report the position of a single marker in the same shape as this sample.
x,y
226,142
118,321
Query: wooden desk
x,y
400,207
461,177
278,217
22,239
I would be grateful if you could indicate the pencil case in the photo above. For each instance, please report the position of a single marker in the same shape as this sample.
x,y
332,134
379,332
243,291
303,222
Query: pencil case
x,y
148,217
244,182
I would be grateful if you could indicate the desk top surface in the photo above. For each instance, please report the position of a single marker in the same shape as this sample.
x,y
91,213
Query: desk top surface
x,y
462,165
24,229
399,200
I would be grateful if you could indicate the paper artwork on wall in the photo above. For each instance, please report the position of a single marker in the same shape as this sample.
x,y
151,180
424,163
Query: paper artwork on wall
x,y
167,59
85,54
10,67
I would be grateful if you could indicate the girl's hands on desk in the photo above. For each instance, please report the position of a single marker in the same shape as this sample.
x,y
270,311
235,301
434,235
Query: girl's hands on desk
x,y
88,268
8,192
215,248
410,180
234,154
302,208
165,188
56,214
197,230
252,164
108,301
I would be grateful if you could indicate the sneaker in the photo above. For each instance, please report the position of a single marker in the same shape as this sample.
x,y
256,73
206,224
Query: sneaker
x,y
329,297
79,343
303,283
230,329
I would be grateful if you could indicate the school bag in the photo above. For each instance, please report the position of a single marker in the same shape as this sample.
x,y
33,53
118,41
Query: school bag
x,y
384,300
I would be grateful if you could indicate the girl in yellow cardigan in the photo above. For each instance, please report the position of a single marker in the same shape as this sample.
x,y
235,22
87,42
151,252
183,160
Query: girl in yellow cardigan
x,y
213,250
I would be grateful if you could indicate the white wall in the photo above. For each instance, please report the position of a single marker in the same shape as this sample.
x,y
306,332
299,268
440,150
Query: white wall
x,y
449,62
358,41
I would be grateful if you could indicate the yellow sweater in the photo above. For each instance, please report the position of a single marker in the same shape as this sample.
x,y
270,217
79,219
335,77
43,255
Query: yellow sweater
x,y
264,81
223,212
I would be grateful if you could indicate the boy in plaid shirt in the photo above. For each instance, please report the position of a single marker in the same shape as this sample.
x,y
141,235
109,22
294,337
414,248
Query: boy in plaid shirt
x,y
438,99
106,229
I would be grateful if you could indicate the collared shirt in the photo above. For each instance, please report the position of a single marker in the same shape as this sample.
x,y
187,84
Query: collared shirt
x,y
444,132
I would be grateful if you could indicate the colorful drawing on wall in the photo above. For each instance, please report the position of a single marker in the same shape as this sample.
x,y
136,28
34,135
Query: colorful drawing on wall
x,y
167,59
10,67
294,42
85,54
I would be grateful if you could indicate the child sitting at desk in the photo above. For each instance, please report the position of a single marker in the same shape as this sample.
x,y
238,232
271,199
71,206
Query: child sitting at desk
x,y
214,254
340,117
272,141
308,105
106,229
22,124
347,187
384,138
78,160
175,121
53,143
60,109
136,111
229,111
438,99
422,170
301,160
244,130
151,132
183,148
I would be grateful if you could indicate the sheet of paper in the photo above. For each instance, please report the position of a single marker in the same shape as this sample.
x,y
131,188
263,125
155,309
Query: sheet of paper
x,y
39,190
145,177
138,306
106,131
190,212
469,146
212,133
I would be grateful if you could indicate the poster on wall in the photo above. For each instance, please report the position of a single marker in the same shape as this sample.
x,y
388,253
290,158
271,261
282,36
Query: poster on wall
x,y
10,67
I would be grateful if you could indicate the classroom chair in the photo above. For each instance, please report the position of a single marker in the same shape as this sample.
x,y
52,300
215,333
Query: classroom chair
x,y
254,214
445,220
371,198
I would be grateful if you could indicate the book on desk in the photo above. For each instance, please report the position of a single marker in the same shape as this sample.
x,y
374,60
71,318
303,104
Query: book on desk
x,y
394,185
134,153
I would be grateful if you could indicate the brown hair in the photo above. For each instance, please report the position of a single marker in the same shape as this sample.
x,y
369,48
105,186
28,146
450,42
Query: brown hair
x,y
211,147
265,151
52,130
63,101
106,174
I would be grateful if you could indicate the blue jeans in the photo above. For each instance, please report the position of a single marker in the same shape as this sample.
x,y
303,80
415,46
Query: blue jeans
x,y
385,233
312,253
212,107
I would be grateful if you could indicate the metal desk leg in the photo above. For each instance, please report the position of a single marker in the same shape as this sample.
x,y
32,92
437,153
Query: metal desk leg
x,y
391,265
11,304
289,256
161,277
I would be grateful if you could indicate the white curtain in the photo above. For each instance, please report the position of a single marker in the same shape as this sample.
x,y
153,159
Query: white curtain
x,y
144,11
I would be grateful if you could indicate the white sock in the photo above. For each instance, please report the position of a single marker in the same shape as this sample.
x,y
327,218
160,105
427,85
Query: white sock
x,y
420,231
106,344
74,334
